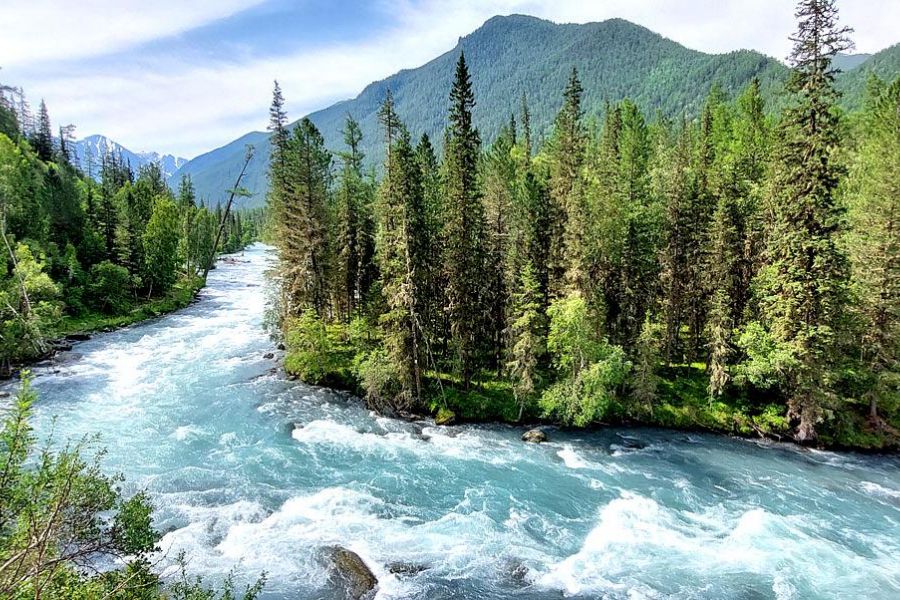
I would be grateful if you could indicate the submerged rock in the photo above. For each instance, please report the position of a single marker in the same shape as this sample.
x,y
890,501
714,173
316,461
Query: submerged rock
x,y
269,355
515,572
350,572
632,443
534,436
405,568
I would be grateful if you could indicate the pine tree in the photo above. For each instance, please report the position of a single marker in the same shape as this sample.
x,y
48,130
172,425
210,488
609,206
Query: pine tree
x,y
465,227
803,290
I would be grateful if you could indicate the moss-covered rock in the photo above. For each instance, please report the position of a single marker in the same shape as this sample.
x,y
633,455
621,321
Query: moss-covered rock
x,y
444,416
534,436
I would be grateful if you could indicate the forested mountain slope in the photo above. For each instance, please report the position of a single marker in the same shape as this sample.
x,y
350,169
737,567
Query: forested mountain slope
x,y
512,55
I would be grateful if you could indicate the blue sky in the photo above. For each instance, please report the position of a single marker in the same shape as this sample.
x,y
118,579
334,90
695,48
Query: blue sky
x,y
188,76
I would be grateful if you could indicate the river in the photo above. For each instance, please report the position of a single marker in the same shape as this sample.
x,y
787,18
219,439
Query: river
x,y
248,470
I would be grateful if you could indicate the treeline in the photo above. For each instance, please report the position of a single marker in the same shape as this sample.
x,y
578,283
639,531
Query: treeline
x,y
733,270
85,249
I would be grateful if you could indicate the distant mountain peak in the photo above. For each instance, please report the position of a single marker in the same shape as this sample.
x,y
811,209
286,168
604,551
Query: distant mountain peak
x,y
89,152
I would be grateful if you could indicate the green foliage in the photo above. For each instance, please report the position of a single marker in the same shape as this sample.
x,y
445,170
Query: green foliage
x,y
94,252
310,351
109,289
160,239
28,305
591,370
588,396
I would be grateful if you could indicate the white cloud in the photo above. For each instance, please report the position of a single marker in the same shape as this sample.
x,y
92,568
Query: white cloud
x,y
174,105
45,30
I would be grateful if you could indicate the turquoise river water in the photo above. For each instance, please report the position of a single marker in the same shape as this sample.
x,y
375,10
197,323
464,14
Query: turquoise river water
x,y
253,472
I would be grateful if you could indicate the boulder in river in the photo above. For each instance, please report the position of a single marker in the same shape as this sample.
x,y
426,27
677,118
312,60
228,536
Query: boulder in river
x,y
269,355
78,337
350,572
534,436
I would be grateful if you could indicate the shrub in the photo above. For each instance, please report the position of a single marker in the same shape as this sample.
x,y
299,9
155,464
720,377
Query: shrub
x,y
109,288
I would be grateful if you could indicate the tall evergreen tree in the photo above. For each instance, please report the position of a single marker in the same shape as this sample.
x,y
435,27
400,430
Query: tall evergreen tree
x,y
42,141
301,214
465,226
803,290
875,245
566,155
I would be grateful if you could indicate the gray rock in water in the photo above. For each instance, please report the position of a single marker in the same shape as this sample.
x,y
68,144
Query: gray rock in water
x,y
269,355
534,436
516,572
405,568
350,572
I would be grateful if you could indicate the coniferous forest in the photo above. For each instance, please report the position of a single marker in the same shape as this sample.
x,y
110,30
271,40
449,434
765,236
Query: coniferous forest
x,y
83,253
730,270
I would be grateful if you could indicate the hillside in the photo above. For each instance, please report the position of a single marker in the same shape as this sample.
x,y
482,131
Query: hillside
x,y
508,56
885,64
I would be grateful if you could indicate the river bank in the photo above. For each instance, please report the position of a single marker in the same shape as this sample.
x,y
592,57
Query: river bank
x,y
682,400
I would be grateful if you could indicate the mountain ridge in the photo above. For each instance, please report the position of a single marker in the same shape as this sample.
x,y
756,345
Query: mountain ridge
x,y
512,54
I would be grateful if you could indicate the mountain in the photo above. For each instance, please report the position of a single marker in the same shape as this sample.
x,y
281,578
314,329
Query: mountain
x,y
848,62
90,151
508,56
852,84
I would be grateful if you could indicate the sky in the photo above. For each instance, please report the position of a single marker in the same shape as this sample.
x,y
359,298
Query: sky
x,y
187,76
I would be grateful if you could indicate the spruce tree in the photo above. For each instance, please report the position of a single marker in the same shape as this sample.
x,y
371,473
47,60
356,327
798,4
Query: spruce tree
x,y
803,289
42,141
566,155
301,215
465,227
677,253
432,285
351,200
399,252
499,195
